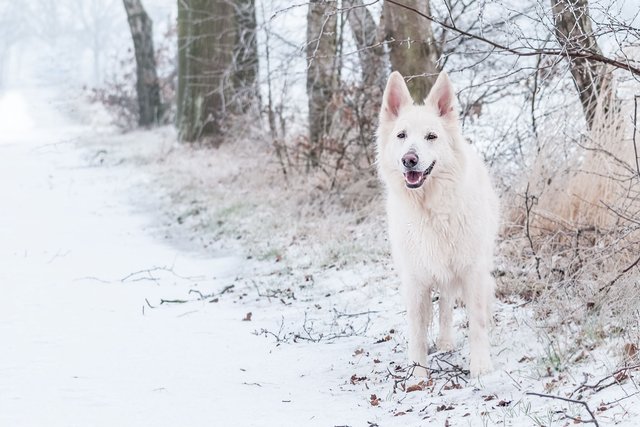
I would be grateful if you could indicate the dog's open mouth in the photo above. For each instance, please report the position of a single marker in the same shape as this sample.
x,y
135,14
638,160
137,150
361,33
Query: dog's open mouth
x,y
415,179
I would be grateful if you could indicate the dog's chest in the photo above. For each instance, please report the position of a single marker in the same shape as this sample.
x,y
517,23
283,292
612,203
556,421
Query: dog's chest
x,y
430,242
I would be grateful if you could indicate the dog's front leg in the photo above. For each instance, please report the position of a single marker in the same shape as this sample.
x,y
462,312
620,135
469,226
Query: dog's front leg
x,y
478,296
419,307
445,334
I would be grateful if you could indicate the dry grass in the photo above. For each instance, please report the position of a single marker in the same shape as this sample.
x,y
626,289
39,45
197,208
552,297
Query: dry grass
x,y
241,192
573,234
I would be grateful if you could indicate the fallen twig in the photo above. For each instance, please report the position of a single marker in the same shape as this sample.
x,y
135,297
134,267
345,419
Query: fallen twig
x,y
338,314
173,301
202,296
622,273
621,399
566,399
149,271
226,289
598,386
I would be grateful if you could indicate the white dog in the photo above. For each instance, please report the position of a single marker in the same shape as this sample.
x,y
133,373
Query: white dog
x,y
443,217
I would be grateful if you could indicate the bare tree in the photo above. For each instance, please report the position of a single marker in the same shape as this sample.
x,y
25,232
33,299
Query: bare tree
x,y
370,50
205,41
11,31
217,65
47,21
147,87
98,21
413,49
322,73
246,61
574,33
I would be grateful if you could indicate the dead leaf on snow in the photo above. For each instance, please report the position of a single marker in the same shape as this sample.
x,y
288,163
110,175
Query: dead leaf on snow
x,y
374,400
453,386
356,379
416,387
583,354
383,339
630,350
621,376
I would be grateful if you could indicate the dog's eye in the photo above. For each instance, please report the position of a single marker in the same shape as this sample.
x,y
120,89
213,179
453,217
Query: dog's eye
x,y
431,136
402,135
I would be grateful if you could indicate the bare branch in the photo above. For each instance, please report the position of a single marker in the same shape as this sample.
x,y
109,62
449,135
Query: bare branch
x,y
579,402
635,131
527,51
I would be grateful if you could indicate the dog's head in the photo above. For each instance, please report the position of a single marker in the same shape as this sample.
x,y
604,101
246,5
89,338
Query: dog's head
x,y
416,143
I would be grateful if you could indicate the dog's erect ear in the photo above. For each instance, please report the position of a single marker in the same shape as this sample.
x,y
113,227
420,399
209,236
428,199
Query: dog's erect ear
x,y
442,96
396,97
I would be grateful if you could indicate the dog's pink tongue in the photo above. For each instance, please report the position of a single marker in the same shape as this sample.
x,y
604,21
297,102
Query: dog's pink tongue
x,y
412,177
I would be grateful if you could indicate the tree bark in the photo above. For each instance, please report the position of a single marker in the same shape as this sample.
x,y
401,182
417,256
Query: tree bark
x,y
370,50
147,87
412,49
245,79
574,33
322,80
206,39
217,65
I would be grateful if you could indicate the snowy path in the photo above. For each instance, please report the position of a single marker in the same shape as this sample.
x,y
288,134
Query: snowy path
x,y
77,348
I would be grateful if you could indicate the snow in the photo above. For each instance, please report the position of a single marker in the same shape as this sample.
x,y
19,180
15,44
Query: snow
x,y
79,346
14,117
90,339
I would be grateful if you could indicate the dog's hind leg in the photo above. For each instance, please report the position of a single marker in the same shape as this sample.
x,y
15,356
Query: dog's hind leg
x,y
477,292
419,312
445,334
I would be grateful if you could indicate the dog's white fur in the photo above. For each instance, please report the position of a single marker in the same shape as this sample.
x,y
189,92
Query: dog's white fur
x,y
442,233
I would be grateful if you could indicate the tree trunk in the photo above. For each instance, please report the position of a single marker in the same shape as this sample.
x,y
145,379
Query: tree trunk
x,y
205,44
147,87
246,61
322,78
412,49
370,50
217,65
574,33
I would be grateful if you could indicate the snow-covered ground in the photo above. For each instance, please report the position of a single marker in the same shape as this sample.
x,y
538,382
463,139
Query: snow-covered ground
x,y
109,316
80,343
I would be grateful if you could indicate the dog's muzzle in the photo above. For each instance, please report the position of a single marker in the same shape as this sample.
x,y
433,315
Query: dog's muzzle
x,y
415,179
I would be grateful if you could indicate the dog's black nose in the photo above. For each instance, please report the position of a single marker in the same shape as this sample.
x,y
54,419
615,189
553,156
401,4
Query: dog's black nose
x,y
410,159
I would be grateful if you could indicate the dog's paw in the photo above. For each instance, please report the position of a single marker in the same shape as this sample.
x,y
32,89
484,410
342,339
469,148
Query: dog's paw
x,y
445,344
419,371
480,366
